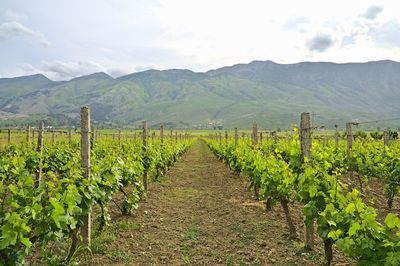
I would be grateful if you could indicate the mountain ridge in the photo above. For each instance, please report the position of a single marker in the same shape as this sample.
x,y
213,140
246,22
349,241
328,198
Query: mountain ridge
x,y
207,71
273,94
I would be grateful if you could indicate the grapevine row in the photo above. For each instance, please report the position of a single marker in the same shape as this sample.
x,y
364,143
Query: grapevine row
x,y
281,175
33,214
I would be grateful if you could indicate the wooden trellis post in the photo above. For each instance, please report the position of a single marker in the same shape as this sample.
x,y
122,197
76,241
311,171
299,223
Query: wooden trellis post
x,y
305,135
275,136
69,135
336,137
236,136
162,134
305,139
386,138
85,165
145,181
39,149
28,136
254,136
349,137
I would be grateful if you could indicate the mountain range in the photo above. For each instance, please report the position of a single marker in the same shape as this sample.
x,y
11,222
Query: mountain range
x,y
272,94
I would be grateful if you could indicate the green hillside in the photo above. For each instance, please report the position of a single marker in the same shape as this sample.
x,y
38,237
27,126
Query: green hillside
x,y
272,94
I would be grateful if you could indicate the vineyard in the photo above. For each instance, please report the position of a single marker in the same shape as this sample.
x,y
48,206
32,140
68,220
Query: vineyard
x,y
48,192
348,193
329,182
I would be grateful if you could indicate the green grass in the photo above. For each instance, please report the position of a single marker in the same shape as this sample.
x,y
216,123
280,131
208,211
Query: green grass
x,y
190,239
125,226
184,193
119,256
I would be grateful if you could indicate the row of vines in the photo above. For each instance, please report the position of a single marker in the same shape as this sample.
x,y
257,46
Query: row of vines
x,y
32,213
322,184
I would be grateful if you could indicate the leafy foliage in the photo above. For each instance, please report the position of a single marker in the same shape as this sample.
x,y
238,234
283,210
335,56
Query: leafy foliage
x,y
55,208
342,216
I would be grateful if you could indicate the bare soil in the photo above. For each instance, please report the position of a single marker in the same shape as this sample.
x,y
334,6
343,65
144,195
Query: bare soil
x,y
201,213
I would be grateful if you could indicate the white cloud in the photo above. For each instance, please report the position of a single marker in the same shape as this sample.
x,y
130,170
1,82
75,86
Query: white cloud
x,y
387,34
121,36
320,42
10,15
296,23
58,70
372,12
14,29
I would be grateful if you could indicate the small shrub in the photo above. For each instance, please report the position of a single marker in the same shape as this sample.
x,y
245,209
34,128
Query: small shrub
x,y
376,135
360,135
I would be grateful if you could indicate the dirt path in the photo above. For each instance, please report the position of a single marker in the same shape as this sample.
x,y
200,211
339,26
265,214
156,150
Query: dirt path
x,y
200,214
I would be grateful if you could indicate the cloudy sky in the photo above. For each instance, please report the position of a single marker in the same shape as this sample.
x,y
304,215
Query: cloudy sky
x,y
68,38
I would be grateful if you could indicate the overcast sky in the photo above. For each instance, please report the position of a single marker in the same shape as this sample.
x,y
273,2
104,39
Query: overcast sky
x,y
64,39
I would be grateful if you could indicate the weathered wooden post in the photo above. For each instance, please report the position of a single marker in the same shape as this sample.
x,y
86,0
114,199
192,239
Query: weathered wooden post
x,y
255,141
261,137
349,147
9,136
305,136
85,165
226,137
349,137
386,138
145,181
176,136
162,134
52,136
171,136
69,135
119,136
336,137
305,140
39,149
275,135
33,135
254,136
236,136
28,136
